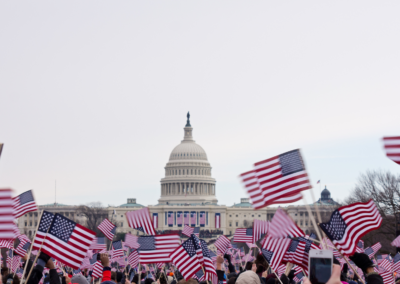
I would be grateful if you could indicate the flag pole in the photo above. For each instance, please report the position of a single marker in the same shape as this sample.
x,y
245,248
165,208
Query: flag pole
x,y
29,254
312,219
273,271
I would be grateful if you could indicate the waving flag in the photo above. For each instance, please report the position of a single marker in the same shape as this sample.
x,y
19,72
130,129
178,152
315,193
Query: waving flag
x,y
185,258
298,277
392,148
371,251
193,218
199,275
141,220
243,236
386,275
259,228
117,249
24,245
222,244
385,261
23,204
274,249
15,263
97,270
131,241
7,244
186,219
107,228
360,246
187,231
44,226
396,242
208,260
7,216
67,241
282,226
350,223
396,263
133,258
98,243
280,178
157,248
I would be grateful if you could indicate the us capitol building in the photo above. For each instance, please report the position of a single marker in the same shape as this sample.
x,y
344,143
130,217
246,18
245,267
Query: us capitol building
x,y
188,196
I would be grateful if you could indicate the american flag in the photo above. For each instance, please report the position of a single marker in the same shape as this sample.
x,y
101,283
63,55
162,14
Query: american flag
x,y
7,244
259,228
371,251
24,244
9,258
281,269
392,148
107,228
98,243
67,241
274,249
199,275
77,271
23,204
350,223
281,178
282,226
187,231
202,219
250,181
141,220
170,218
298,277
44,226
213,256
85,263
179,218
131,241
386,275
7,216
193,218
97,270
396,242
186,219
360,246
117,249
157,248
185,258
16,260
198,249
288,257
155,220
243,236
217,220
385,261
222,244
396,263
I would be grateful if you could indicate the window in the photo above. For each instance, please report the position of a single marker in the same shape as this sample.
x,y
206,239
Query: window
x,y
237,224
306,214
230,224
259,215
236,215
30,223
244,215
36,223
26,224
35,214
122,216
301,223
30,214
301,213
26,215
306,223
122,224
67,214
230,215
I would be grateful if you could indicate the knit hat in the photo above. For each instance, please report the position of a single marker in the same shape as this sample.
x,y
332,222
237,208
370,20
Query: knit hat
x,y
79,279
248,277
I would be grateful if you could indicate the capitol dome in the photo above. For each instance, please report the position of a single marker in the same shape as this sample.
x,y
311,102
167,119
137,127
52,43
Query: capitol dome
x,y
188,174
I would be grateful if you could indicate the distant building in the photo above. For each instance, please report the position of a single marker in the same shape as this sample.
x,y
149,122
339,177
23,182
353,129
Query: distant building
x,y
188,189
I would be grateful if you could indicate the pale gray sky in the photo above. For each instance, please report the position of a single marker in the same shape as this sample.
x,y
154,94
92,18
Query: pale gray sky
x,y
94,94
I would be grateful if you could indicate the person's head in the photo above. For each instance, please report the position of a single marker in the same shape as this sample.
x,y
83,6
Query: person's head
x,y
119,276
232,280
135,279
16,279
260,260
248,277
148,281
248,266
114,276
79,279
260,269
192,281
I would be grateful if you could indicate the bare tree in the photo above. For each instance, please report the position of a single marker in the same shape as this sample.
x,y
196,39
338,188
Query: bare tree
x,y
384,189
95,213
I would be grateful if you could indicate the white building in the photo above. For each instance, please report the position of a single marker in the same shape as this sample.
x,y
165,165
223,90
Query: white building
x,y
188,189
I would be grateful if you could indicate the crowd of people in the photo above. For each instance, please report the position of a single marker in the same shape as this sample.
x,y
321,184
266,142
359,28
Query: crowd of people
x,y
256,272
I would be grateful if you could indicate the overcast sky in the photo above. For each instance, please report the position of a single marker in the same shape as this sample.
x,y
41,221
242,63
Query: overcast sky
x,y
94,94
